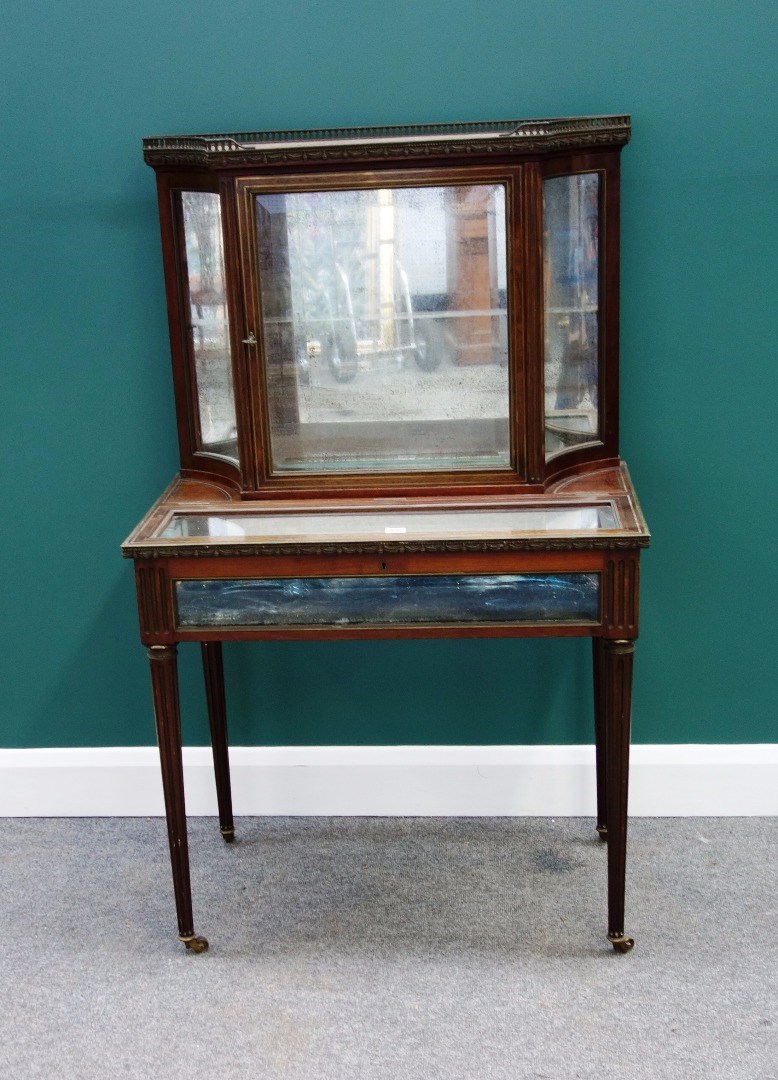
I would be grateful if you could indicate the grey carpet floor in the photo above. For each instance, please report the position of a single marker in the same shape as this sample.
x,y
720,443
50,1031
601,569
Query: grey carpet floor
x,y
394,949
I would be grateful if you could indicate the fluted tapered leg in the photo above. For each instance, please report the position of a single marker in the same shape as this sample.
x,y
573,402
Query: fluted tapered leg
x,y
213,670
164,684
616,676
599,737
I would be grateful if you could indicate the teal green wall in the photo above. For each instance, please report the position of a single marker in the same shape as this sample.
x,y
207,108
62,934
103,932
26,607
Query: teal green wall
x,y
87,426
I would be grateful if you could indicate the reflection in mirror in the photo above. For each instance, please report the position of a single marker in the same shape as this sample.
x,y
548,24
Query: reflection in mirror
x,y
209,330
571,280
385,328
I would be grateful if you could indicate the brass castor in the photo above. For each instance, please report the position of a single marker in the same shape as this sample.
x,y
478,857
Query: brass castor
x,y
228,835
621,943
196,944
602,832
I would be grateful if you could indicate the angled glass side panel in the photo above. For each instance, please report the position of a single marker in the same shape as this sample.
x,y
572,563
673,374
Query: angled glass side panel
x,y
385,329
416,600
208,322
392,525
571,299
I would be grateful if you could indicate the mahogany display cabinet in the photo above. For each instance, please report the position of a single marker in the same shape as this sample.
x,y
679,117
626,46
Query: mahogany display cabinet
x,y
395,359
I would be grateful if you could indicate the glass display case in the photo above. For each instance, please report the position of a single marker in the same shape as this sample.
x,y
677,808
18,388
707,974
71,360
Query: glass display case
x,y
395,361
414,310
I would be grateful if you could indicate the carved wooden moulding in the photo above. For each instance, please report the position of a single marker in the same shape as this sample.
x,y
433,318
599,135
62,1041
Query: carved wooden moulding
x,y
343,144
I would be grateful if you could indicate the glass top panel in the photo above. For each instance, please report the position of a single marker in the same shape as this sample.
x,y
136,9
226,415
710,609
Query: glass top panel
x,y
385,329
394,524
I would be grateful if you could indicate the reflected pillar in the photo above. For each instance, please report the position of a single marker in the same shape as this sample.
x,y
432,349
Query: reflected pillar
x,y
472,283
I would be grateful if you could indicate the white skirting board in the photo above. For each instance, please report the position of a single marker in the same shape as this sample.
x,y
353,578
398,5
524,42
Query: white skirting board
x,y
400,781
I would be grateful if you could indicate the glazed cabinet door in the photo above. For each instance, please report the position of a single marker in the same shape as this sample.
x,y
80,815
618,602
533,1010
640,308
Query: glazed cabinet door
x,y
384,317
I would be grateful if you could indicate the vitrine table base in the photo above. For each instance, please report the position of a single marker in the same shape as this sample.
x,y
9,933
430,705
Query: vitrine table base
x,y
207,591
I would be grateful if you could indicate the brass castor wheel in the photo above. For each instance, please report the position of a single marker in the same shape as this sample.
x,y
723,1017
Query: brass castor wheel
x,y
196,944
228,835
602,832
621,943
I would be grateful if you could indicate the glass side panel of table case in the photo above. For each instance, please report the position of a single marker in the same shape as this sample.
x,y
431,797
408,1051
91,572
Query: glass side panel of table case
x,y
388,600
416,524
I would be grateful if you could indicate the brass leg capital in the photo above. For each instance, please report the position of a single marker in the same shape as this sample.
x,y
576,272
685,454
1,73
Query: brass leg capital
x,y
162,652
620,646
